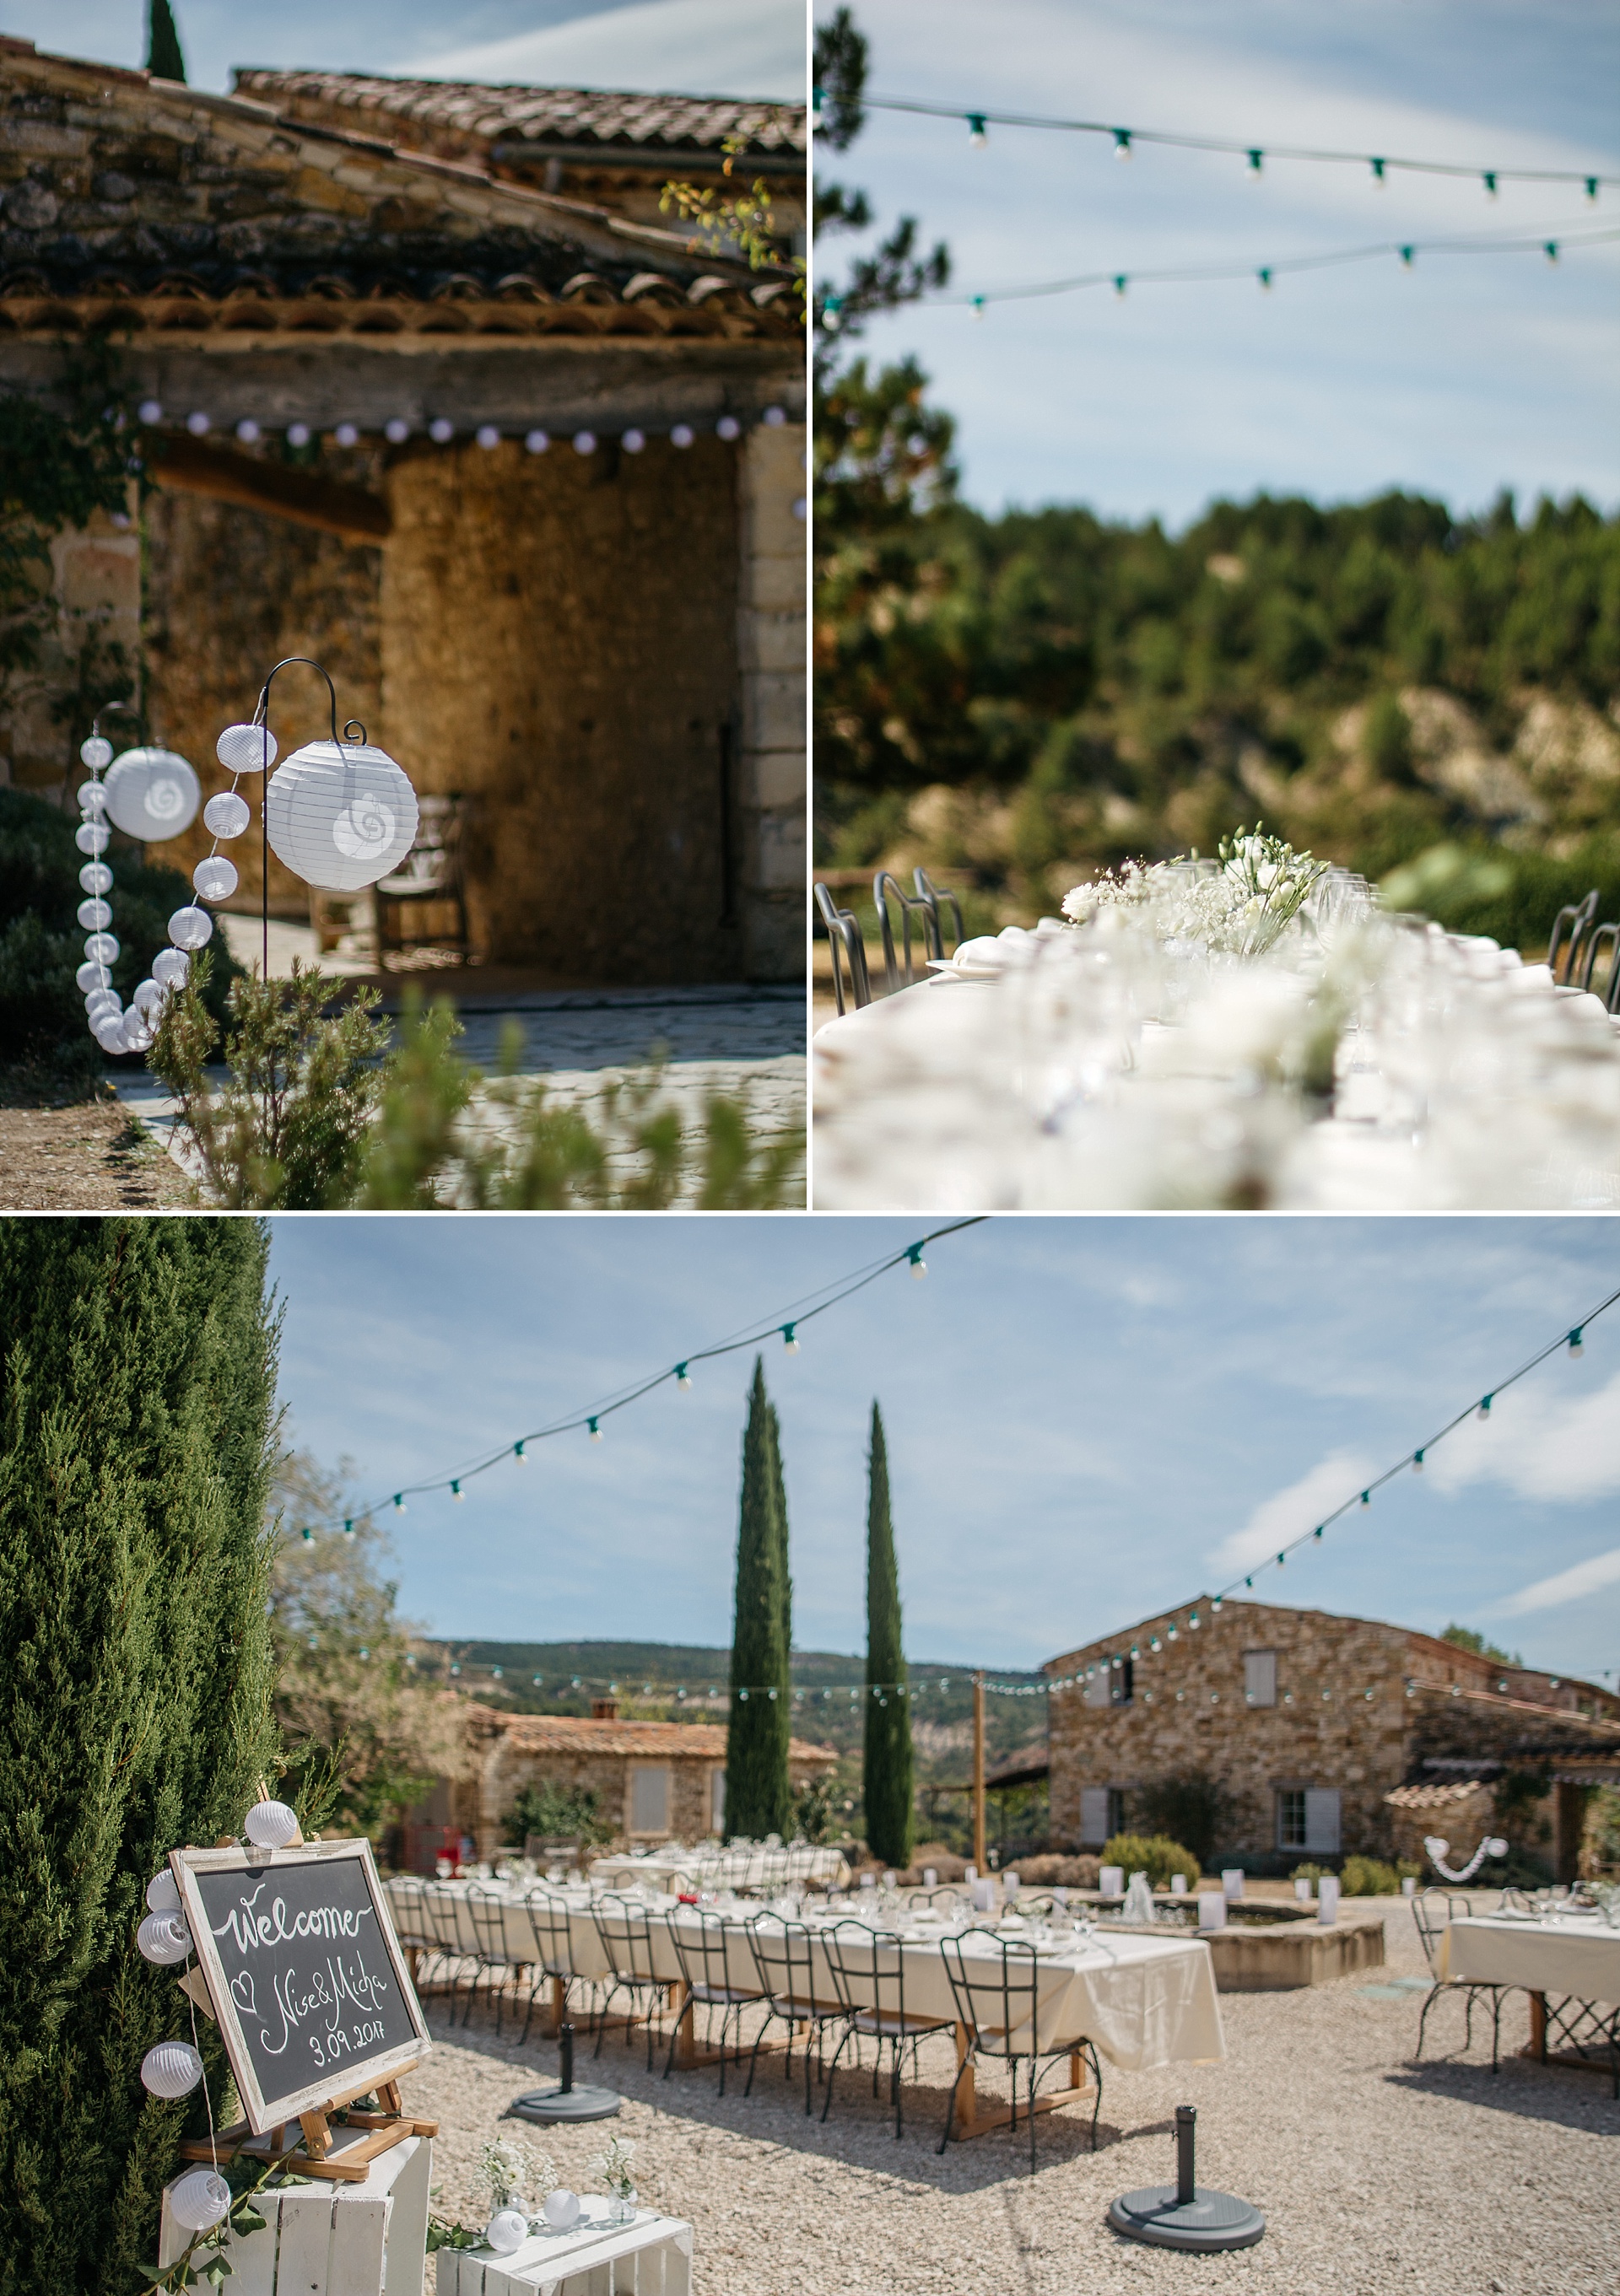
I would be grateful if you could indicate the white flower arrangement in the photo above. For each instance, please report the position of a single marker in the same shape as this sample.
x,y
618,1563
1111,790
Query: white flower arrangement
x,y
613,2167
1240,903
507,2167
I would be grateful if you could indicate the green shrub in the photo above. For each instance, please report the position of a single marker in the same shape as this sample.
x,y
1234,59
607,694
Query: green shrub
x,y
1154,1855
557,1812
1369,1877
1189,1808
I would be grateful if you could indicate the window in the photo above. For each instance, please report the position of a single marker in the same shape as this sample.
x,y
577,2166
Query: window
x,y
1111,1684
1308,1818
1102,1815
717,1802
649,1802
1096,1689
1260,1678
1291,1818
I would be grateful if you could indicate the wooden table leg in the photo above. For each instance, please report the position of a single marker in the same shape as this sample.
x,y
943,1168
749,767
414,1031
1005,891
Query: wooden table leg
x,y
1538,2025
967,2111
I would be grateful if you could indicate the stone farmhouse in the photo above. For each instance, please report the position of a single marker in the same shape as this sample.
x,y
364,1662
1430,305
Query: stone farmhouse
x,y
435,396
1324,1735
657,1780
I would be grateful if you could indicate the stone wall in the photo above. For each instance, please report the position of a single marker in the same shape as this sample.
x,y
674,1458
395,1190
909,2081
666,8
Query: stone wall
x,y
1188,1714
508,1769
771,659
559,643
95,589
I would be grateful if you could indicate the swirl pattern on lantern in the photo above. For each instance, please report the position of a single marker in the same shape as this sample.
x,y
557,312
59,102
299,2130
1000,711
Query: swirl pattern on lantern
x,y
153,793
341,814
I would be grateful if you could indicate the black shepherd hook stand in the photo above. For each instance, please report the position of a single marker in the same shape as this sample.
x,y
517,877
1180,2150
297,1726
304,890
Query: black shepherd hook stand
x,y
261,717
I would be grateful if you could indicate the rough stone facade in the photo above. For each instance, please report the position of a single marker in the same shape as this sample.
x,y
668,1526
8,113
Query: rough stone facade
x,y
1297,1716
681,1768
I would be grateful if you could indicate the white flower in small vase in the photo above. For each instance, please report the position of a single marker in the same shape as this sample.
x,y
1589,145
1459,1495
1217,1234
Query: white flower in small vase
x,y
614,2170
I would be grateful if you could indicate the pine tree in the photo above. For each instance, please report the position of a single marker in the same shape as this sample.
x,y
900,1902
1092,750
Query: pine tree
x,y
163,57
887,1770
137,1366
757,1796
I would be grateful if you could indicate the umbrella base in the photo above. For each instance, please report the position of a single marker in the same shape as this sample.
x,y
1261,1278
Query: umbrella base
x,y
1208,2222
548,2104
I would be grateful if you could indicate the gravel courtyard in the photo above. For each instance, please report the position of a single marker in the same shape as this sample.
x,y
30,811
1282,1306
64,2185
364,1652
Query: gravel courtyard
x,y
1374,2173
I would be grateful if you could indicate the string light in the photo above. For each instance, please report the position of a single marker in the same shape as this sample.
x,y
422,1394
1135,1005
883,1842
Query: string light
x,y
1484,1408
1256,161
1576,1343
790,1344
976,130
1416,1462
517,1453
398,1502
843,1288
1123,140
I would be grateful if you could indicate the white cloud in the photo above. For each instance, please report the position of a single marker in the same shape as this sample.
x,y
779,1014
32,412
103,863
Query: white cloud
x,y
1566,1586
691,47
1281,1519
1540,1445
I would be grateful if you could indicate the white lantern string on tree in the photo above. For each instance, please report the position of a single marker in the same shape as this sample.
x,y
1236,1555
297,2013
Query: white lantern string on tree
x,y
151,793
114,1031
199,2199
170,2070
271,1825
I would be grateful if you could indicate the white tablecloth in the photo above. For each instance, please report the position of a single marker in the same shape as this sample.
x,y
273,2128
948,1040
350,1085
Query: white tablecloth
x,y
725,1869
1143,2001
1572,1956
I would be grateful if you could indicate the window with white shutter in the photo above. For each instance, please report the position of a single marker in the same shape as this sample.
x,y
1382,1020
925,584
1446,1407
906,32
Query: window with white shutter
x,y
717,1802
1098,1690
649,1802
1322,1819
1260,1678
1094,1814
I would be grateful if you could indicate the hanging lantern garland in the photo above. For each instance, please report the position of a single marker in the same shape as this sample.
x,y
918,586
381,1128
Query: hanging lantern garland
x,y
149,793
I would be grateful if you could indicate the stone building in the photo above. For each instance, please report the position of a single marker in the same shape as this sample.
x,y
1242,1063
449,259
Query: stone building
x,y
1308,1723
526,471
655,1781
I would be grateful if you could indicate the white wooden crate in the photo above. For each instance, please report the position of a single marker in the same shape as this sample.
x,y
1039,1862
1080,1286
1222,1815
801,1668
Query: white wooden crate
x,y
326,2239
651,2257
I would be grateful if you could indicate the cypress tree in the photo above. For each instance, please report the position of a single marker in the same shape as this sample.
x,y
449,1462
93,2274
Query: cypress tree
x,y
886,1776
163,57
137,1406
779,1485
757,1797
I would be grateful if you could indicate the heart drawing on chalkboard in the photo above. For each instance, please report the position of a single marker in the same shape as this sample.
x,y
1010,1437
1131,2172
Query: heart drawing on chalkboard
x,y
242,1992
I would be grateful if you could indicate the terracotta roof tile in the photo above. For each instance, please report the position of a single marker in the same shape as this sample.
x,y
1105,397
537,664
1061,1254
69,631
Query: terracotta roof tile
x,y
574,1734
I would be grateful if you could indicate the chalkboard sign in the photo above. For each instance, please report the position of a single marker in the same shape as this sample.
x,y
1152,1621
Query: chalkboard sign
x,y
304,1971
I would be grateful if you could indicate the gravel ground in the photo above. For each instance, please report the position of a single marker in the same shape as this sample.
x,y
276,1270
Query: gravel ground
x,y
84,1155
1374,2173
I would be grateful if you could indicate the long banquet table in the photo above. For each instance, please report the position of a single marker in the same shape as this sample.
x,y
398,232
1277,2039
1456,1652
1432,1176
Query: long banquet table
x,y
755,1868
1568,1964
1143,2002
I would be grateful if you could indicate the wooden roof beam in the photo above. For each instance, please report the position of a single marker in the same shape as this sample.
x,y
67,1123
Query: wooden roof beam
x,y
186,465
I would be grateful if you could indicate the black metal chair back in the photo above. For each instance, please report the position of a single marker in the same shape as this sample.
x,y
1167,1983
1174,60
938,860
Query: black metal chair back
x,y
882,885
997,1990
1582,974
1434,1910
487,1911
454,1947
849,949
1569,930
548,1913
932,895
625,1929
946,1899
868,1972
783,1957
704,1946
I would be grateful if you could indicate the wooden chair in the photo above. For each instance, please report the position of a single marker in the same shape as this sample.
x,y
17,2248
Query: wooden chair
x,y
432,873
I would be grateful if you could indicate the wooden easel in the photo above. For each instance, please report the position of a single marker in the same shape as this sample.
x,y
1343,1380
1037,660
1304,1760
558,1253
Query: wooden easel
x,y
310,2151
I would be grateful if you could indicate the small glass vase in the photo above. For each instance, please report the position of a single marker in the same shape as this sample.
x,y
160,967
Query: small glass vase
x,y
622,2207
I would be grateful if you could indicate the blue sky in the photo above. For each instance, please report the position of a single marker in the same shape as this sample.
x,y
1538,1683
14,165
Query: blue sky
x,y
713,47
1461,376
1087,1420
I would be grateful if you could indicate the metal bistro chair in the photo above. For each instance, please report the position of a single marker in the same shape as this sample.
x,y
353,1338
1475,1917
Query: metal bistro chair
x,y
454,1948
784,1954
495,1961
930,896
412,1924
926,910
868,1972
431,871
1570,928
1434,1910
624,1926
548,1918
700,1940
997,1992
947,1897
843,933
1581,975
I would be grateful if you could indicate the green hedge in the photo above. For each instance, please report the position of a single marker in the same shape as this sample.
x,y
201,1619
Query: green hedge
x,y
1154,1855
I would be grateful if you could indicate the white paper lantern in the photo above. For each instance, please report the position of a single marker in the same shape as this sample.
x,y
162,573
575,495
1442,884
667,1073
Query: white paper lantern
x,y
198,2199
487,435
89,978
109,1033
197,424
96,752
226,814
347,435
247,430
215,878
91,796
508,2230
681,436
96,877
163,1892
170,966
149,410
561,2209
102,1004
91,836
94,915
775,417
340,815
270,1824
102,947
139,1035
173,2069
298,434
153,793
190,928
164,1937
246,749
148,997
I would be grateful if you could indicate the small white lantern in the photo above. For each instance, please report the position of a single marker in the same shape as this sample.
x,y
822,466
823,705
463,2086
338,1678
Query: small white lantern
x,y
226,814
153,793
163,1892
96,752
198,2199
90,977
91,836
96,877
561,2209
102,947
93,914
508,2230
270,1824
681,435
340,815
215,879
170,966
91,795
245,750
190,928
148,998
164,1937
173,2069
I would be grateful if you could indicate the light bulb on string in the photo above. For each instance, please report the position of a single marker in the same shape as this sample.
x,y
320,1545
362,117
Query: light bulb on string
x,y
919,1266
1120,283
1484,1411
1379,177
1265,278
1592,187
1318,1531
976,304
595,1432
1366,1499
1488,181
1550,249
976,136
517,1453
1256,163
307,1536
456,1491
1576,1343
398,1502
831,308
349,1528
1406,255
1121,142
789,1339
683,1377
1416,1462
